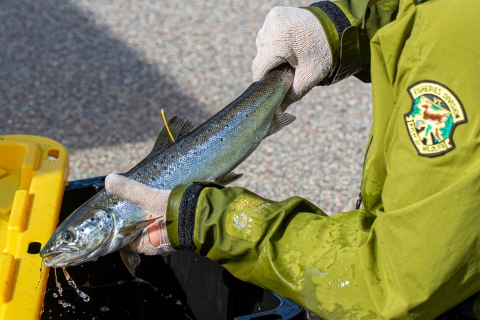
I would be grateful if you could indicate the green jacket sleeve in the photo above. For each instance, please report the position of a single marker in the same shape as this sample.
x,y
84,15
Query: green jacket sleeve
x,y
349,26
290,247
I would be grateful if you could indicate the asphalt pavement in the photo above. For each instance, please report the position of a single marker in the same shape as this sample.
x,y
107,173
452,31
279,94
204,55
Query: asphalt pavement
x,y
94,75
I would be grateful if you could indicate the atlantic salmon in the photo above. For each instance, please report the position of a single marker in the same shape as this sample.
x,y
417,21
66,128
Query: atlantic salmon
x,y
209,152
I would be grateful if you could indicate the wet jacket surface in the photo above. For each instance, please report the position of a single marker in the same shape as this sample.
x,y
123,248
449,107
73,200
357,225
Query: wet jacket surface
x,y
412,250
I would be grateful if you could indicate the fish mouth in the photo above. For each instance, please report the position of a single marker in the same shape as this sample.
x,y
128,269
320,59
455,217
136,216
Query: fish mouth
x,y
51,257
54,259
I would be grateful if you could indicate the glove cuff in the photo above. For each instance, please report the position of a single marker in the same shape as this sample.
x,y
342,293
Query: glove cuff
x,y
349,44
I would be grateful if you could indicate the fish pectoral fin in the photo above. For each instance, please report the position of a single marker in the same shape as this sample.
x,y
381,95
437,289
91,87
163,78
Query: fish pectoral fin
x,y
228,178
178,127
130,258
279,122
136,227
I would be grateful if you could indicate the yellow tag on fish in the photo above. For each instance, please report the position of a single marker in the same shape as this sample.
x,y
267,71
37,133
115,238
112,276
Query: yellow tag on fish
x,y
166,125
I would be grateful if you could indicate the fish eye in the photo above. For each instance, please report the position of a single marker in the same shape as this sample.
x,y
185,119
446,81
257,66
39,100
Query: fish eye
x,y
67,236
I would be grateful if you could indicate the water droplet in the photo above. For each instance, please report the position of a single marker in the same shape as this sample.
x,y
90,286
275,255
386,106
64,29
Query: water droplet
x,y
70,281
104,309
55,295
59,286
64,303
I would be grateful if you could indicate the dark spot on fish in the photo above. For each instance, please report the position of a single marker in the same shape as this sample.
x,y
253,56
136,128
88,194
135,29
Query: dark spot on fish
x,y
246,115
83,230
281,80
92,219
165,167
163,185
115,203
196,139
221,139
153,179
173,156
109,216
155,166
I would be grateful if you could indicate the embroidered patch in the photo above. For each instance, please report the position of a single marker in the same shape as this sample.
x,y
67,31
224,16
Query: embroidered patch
x,y
244,219
432,119
240,221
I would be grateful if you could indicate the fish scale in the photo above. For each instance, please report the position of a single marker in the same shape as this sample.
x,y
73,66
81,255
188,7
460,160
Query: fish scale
x,y
207,153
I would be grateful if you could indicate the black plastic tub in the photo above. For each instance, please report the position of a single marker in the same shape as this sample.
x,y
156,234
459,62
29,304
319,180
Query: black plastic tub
x,y
183,285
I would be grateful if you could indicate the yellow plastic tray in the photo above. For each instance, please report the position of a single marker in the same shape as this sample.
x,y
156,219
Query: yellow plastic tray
x,y
33,172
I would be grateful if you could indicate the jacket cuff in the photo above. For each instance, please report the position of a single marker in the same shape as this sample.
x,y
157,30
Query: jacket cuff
x,y
173,211
349,44
181,212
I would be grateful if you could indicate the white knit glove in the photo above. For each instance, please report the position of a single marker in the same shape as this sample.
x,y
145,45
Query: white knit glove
x,y
293,35
154,239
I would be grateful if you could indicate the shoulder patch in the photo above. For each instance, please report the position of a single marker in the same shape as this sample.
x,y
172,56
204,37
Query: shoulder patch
x,y
435,113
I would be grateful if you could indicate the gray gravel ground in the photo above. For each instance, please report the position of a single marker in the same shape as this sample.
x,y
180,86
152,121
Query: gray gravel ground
x,y
94,74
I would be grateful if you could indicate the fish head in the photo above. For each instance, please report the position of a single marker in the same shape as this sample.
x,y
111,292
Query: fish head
x,y
82,237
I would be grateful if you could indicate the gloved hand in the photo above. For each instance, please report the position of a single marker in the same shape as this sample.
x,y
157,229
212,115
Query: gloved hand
x,y
154,239
293,35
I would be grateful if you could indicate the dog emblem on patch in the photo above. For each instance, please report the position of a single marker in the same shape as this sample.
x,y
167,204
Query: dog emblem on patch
x,y
432,119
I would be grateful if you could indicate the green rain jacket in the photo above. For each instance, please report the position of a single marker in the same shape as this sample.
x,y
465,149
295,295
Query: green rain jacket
x,y
411,251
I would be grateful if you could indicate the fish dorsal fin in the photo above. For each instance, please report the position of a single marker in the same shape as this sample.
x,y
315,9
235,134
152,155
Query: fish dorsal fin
x,y
130,258
133,229
178,127
280,121
228,178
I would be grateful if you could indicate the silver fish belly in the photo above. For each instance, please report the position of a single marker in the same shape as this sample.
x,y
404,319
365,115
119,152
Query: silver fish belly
x,y
209,152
